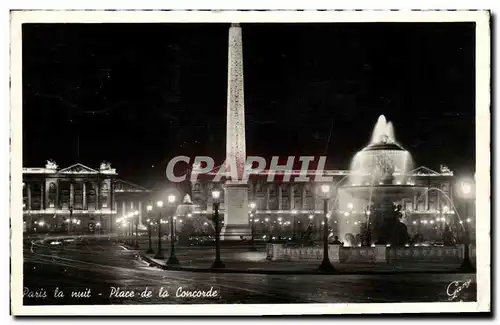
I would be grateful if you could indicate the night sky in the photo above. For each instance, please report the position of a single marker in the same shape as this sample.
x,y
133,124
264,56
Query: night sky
x,y
137,95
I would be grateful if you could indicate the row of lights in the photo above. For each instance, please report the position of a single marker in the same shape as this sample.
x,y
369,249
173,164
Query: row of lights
x,y
468,220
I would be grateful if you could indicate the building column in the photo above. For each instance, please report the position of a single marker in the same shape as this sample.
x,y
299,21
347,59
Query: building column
x,y
313,194
291,197
426,200
42,196
140,212
97,195
304,198
268,195
280,197
71,194
415,202
84,189
57,196
124,209
28,186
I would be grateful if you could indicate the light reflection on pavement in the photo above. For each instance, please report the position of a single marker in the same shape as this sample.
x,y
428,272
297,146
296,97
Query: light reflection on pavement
x,y
102,265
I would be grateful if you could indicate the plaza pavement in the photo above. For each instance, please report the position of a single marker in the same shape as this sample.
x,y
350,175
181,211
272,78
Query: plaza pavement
x,y
240,259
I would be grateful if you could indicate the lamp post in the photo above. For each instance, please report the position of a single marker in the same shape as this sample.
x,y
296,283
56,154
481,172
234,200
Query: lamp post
x,y
172,259
217,264
269,229
159,253
252,214
136,213
149,208
70,219
466,192
325,266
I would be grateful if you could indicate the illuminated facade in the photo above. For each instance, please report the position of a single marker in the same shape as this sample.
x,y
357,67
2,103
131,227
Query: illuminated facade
x,y
77,198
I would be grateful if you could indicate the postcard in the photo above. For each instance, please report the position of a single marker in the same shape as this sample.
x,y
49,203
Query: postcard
x,y
281,162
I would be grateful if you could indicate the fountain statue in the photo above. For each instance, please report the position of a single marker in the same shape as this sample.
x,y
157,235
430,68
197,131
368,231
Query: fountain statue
x,y
379,179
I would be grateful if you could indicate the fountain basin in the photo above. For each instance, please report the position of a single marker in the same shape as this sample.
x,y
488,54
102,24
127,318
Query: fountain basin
x,y
387,192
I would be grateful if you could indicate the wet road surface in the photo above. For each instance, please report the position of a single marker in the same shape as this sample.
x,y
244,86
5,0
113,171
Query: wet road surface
x,y
107,273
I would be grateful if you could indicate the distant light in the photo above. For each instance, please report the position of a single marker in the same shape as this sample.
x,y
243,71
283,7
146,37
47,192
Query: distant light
x,y
41,223
468,220
461,222
322,222
74,220
175,218
136,212
346,214
98,224
432,222
425,221
325,188
149,208
266,219
252,205
445,209
414,222
189,215
466,187
171,198
215,194
355,222
335,221
205,224
180,220
368,212
159,204
311,217
294,211
279,219
443,219
257,220
398,183
350,206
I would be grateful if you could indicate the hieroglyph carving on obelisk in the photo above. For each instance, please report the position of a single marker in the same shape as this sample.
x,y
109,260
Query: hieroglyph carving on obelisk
x,y
236,226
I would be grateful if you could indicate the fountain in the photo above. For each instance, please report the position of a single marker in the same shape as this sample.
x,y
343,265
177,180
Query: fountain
x,y
379,179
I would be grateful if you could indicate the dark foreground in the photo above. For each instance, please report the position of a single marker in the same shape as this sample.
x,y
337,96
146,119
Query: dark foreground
x,y
107,273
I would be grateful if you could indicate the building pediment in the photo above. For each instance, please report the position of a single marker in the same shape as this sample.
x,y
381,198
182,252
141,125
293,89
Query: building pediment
x,y
127,187
424,171
78,169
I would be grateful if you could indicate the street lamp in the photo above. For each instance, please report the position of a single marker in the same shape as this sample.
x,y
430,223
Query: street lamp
x,y
325,266
466,192
172,260
149,208
252,210
217,264
159,253
136,213
70,218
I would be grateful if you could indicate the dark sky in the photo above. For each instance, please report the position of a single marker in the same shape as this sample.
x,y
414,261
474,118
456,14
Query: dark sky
x,y
138,94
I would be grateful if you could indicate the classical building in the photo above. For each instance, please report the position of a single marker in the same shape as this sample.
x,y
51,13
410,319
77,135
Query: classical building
x,y
77,198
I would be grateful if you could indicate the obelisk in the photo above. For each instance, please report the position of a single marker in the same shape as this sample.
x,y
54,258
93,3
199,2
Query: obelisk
x,y
236,226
